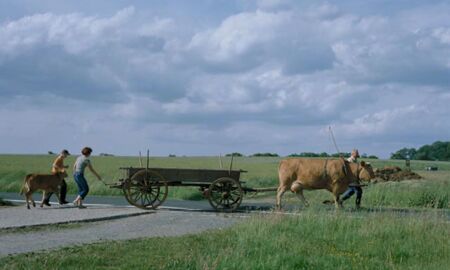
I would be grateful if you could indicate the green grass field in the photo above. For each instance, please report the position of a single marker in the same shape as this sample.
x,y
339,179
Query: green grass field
x,y
312,240
315,239
432,191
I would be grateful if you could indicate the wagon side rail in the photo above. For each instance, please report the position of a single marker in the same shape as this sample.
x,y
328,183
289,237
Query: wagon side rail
x,y
183,175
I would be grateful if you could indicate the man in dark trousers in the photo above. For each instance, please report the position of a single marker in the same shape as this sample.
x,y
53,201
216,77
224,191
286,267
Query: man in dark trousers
x,y
58,166
353,189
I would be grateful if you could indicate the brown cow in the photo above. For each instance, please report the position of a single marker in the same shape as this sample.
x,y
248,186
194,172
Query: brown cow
x,y
45,182
334,175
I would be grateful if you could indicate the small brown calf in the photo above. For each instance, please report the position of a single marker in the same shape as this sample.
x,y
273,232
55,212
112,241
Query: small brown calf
x,y
44,182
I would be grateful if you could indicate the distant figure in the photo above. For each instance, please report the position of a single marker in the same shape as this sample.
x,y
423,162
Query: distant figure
x,y
78,174
59,167
353,189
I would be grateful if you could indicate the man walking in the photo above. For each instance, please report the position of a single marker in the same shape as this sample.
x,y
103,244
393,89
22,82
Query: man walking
x,y
58,166
353,189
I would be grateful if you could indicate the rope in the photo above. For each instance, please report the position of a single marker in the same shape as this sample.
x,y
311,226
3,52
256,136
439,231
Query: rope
x,y
337,149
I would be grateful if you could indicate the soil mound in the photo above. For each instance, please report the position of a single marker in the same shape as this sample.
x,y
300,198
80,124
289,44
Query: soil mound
x,y
394,174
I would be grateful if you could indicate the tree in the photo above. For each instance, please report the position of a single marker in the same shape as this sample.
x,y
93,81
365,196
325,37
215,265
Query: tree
x,y
265,155
236,154
424,153
436,151
404,153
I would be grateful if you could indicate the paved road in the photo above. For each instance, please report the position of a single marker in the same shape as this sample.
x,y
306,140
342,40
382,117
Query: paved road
x,y
155,223
247,205
106,218
111,218
20,217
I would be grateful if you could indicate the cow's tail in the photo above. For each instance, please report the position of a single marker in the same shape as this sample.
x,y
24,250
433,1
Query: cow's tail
x,y
25,187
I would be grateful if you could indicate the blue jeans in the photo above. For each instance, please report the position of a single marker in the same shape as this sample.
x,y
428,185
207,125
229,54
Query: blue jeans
x,y
82,184
352,190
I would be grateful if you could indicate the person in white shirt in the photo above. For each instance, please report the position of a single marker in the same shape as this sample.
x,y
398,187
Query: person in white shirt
x,y
353,189
78,174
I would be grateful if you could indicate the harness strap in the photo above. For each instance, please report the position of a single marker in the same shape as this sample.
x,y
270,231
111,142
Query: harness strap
x,y
344,165
357,173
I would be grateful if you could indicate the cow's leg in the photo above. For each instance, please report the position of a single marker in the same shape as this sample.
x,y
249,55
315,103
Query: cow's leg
x,y
281,190
25,191
298,190
302,197
27,200
29,195
337,201
44,193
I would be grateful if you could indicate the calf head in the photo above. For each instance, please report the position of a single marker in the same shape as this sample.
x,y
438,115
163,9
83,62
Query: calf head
x,y
366,173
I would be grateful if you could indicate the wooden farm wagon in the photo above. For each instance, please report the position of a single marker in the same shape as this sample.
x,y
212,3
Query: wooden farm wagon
x,y
147,188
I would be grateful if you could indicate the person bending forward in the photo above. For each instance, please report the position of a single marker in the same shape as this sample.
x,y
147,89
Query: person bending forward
x,y
58,166
78,168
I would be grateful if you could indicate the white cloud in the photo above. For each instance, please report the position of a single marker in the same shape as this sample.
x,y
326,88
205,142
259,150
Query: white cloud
x,y
442,34
270,76
237,35
75,32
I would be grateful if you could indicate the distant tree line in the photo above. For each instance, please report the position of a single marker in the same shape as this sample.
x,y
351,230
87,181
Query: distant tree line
x,y
105,155
303,154
325,154
436,151
235,154
265,155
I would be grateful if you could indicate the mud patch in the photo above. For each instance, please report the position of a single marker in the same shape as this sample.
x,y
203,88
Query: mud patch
x,y
394,174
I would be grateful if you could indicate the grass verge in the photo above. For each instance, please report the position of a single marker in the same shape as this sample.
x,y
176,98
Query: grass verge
x,y
53,228
311,240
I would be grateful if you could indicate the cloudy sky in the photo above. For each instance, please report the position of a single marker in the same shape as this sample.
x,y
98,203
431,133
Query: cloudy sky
x,y
217,76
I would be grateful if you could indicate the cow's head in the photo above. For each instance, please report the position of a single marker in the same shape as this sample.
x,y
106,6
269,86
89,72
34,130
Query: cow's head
x,y
366,173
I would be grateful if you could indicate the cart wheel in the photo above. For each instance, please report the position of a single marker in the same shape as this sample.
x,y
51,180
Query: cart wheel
x,y
225,194
146,189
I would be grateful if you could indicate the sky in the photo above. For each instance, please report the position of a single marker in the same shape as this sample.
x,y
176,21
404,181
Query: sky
x,y
210,77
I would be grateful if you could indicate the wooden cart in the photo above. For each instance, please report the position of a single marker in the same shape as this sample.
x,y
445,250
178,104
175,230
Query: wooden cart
x,y
147,188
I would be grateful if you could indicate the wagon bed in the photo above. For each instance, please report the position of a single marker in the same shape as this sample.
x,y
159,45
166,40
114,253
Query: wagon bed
x,y
188,176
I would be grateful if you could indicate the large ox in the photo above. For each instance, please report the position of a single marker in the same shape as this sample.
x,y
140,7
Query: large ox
x,y
334,175
45,182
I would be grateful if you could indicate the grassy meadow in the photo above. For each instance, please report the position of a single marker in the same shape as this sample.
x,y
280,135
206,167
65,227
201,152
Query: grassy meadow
x,y
431,192
311,240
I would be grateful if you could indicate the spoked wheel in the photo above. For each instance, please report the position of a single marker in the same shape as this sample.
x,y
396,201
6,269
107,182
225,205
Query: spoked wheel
x,y
146,189
225,194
